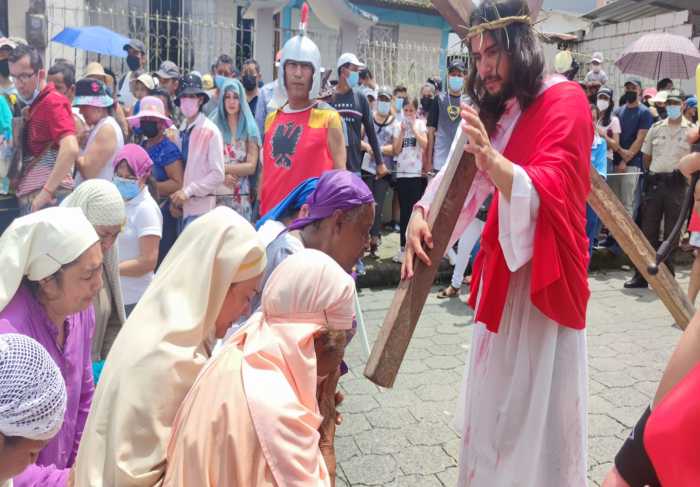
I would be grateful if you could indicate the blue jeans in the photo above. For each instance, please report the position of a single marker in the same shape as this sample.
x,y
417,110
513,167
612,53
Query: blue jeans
x,y
593,225
186,221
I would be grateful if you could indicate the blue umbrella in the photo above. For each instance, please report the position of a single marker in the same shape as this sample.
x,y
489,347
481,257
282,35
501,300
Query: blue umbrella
x,y
94,39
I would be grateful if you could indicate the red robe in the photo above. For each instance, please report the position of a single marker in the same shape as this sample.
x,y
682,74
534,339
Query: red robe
x,y
672,434
552,142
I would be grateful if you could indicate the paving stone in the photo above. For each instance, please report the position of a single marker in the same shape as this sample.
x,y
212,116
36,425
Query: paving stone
x,y
381,440
423,460
437,392
627,396
370,470
443,362
352,424
629,343
426,433
345,448
357,386
390,418
358,403
449,477
416,481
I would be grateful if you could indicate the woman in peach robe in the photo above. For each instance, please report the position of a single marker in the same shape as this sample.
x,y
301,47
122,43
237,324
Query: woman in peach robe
x,y
253,418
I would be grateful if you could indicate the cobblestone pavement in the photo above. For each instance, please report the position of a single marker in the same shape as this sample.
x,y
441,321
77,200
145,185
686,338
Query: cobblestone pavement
x,y
404,436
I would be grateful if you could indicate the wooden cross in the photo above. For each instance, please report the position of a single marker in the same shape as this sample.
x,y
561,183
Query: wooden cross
x,y
404,312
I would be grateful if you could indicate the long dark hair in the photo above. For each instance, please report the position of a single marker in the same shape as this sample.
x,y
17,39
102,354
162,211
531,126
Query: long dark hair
x,y
607,114
518,41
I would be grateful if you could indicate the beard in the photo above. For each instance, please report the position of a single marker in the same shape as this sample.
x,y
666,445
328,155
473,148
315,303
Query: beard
x,y
492,106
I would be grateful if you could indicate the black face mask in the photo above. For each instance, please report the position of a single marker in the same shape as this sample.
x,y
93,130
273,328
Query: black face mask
x,y
426,102
662,112
249,81
133,62
5,68
149,128
631,96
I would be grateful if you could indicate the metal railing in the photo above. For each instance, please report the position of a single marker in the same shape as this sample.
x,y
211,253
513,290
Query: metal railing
x,y
406,63
191,41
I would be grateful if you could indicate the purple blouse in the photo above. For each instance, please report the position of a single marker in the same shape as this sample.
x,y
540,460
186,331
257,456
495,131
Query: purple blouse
x,y
28,317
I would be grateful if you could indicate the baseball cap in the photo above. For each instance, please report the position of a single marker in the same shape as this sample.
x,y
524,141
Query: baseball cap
x,y
691,102
7,43
674,95
660,97
605,91
349,58
168,70
385,91
147,80
456,64
135,44
634,81
649,92
597,57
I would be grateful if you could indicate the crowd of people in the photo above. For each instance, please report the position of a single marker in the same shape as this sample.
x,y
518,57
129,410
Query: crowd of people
x,y
176,226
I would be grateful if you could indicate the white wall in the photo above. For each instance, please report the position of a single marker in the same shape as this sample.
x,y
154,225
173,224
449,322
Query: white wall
x,y
553,21
17,9
420,35
326,39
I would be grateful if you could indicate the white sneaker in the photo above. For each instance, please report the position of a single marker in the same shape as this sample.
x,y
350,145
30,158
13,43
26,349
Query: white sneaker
x,y
398,258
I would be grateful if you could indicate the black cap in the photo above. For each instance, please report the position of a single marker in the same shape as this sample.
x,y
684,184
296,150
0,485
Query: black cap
x,y
192,85
456,64
605,91
135,44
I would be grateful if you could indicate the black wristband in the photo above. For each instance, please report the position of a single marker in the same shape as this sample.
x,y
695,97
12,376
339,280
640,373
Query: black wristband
x,y
632,460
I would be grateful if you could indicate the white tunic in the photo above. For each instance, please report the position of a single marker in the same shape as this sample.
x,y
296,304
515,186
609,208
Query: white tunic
x,y
522,408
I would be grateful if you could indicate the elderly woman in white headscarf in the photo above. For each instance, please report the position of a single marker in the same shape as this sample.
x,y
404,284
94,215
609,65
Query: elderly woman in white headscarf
x,y
103,206
32,403
51,264
203,285
254,417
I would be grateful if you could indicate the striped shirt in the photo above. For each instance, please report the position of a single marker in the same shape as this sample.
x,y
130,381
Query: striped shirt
x,y
50,119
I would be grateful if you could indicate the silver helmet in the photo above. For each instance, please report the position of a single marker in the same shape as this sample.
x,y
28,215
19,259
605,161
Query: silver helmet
x,y
303,50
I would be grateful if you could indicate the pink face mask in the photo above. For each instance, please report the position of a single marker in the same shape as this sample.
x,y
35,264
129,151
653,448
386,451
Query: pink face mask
x,y
189,107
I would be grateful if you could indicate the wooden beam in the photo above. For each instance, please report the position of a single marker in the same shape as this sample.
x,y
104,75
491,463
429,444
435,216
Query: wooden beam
x,y
456,13
628,235
401,319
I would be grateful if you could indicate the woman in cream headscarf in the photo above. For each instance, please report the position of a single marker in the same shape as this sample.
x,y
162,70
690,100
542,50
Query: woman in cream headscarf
x,y
50,271
253,416
203,285
104,208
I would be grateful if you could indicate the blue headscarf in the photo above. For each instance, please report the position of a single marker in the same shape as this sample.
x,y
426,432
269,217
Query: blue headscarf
x,y
293,201
247,128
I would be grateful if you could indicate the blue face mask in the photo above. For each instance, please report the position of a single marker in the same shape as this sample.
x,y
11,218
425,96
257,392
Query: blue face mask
x,y
455,82
219,80
128,188
383,107
353,79
399,104
29,101
673,111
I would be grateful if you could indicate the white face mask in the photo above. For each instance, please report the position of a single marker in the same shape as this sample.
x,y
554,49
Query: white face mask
x,y
602,104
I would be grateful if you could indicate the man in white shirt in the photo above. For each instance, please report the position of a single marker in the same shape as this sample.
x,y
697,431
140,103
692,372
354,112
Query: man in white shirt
x,y
136,60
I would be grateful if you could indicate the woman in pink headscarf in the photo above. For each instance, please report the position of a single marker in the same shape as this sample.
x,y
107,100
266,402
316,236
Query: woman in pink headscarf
x,y
139,241
262,412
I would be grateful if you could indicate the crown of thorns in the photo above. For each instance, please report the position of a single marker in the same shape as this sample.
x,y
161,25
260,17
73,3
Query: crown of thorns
x,y
497,24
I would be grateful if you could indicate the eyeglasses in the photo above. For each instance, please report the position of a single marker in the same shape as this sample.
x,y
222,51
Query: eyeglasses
x,y
24,77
